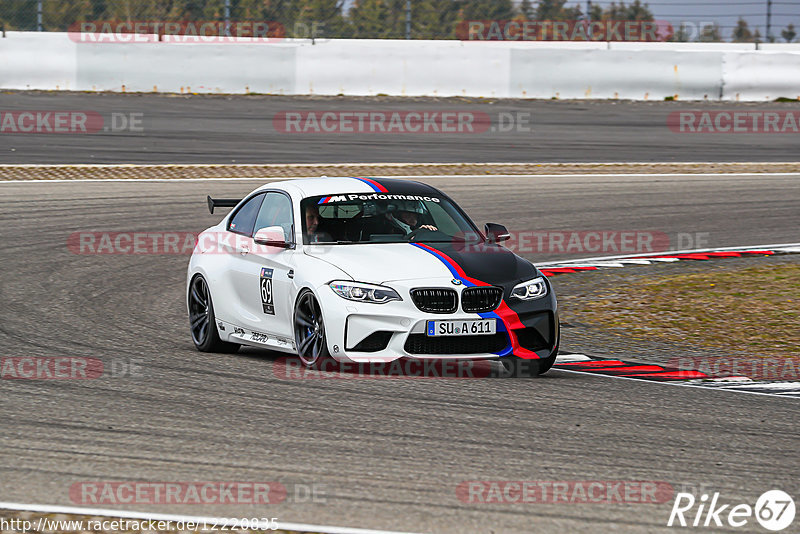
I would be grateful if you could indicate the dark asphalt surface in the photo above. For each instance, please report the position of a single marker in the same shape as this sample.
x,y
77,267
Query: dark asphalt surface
x,y
225,129
387,454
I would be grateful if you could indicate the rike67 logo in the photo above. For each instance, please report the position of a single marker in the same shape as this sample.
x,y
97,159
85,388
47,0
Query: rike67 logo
x,y
774,510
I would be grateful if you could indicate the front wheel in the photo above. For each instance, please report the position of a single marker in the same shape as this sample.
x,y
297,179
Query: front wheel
x,y
309,330
202,321
516,367
546,363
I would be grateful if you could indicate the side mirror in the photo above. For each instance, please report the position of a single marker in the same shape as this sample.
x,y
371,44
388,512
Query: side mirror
x,y
497,233
272,236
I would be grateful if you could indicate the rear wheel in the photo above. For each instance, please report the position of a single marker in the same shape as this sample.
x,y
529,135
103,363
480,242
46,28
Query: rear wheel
x,y
202,321
309,330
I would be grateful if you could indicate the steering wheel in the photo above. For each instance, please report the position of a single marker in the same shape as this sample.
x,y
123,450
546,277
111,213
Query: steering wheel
x,y
414,233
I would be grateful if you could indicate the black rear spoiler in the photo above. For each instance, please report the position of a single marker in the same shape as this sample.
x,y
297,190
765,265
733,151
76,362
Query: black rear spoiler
x,y
221,203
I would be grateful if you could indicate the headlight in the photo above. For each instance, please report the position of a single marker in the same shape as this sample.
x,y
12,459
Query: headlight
x,y
360,292
530,290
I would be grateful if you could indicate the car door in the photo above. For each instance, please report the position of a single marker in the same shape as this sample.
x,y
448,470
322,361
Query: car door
x,y
234,243
263,276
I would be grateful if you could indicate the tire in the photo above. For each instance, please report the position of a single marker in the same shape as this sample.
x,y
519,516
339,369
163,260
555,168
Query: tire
x,y
516,367
309,330
546,363
202,322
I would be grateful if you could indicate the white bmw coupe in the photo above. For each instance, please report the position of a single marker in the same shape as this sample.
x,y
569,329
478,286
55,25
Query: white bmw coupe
x,y
366,270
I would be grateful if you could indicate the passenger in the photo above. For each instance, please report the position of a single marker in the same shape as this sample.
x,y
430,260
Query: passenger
x,y
312,219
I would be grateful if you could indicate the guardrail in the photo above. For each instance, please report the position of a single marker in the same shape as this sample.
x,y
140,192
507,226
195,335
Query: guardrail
x,y
563,70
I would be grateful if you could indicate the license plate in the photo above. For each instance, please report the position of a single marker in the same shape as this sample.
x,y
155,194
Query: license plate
x,y
469,327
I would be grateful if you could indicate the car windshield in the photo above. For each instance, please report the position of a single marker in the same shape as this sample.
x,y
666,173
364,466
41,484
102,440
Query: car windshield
x,y
384,218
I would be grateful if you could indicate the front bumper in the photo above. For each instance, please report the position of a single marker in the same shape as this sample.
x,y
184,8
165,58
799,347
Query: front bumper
x,y
361,332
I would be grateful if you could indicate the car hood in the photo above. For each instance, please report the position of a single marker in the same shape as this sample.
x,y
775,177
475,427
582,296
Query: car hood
x,y
384,263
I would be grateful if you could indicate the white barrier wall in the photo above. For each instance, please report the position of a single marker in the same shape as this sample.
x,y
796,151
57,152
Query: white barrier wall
x,y
635,75
761,75
30,60
637,71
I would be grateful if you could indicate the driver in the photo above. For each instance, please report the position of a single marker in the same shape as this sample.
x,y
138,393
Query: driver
x,y
406,218
412,220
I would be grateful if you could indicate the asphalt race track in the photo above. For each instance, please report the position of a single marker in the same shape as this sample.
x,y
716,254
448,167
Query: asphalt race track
x,y
223,129
384,454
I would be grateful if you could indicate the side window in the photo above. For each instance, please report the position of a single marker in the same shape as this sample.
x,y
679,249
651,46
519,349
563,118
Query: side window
x,y
276,211
244,219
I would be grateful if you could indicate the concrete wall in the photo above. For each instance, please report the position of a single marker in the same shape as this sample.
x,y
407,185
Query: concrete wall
x,y
638,71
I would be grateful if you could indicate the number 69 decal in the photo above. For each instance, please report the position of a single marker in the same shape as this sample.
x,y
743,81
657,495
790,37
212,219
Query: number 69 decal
x,y
267,302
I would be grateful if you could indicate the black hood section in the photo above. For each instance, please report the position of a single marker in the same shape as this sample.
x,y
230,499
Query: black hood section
x,y
493,264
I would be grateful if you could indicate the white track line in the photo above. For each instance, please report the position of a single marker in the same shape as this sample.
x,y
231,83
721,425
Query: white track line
x,y
80,180
572,358
410,177
674,383
777,386
599,175
220,521
587,261
610,265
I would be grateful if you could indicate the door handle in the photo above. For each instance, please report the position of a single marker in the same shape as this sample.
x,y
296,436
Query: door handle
x,y
244,249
